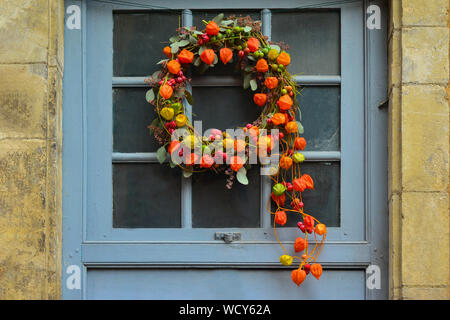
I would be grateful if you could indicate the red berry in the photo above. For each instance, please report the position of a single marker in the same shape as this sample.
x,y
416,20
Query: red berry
x,y
246,50
290,187
291,93
310,230
307,267
180,73
184,78
301,204
180,153
179,80
200,41
241,53
281,135
211,138
249,125
171,130
303,228
160,82
269,121
299,224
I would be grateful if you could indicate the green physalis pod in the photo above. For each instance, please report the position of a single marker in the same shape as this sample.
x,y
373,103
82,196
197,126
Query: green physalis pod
x,y
298,157
278,189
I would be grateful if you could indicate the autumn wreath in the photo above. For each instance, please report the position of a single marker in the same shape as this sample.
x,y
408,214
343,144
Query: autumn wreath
x,y
276,132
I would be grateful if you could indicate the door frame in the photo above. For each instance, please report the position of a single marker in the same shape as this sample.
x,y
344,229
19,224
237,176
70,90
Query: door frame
x,y
371,250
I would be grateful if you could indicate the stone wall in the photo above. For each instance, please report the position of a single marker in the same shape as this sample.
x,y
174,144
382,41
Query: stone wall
x,y
31,69
419,149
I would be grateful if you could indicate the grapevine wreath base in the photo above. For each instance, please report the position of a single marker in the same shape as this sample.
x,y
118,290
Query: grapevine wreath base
x,y
275,133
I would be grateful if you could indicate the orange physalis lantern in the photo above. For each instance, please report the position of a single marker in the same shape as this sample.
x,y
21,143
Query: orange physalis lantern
x,y
291,127
281,218
207,161
299,185
173,66
236,163
260,99
239,145
278,118
300,244
285,102
308,221
285,162
271,82
253,44
265,141
279,200
316,270
320,229
298,276
300,143
212,28
284,58
173,146
166,91
225,55
185,56
262,66
167,51
208,56
308,181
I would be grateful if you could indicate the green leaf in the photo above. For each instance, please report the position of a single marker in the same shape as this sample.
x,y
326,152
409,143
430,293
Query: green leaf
x,y
171,163
247,29
150,96
174,38
163,60
156,74
242,176
300,128
246,81
197,61
174,47
248,69
253,85
189,97
183,43
200,51
187,174
154,123
192,40
218,19
161,154
251,58
226,22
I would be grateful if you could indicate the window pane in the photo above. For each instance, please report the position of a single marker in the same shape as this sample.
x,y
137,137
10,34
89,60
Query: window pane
x,y
146,196
220,69
131,115
224,107
313,38
214,206
139,39
323,202
321,117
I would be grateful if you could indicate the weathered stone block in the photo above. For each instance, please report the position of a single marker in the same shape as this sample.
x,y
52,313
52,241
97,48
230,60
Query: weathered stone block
x,y
23,31
425,239
23,101
425,140
425,56
23,231
425,293
425,13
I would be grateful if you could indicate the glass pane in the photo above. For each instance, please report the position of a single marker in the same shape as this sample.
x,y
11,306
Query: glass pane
x,y
313,38
214,206
139,39
323,202
146,196
321,117
224,107
131,115
220,69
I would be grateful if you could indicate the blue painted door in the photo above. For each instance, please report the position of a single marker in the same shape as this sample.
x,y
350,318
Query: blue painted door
x,y
138,230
